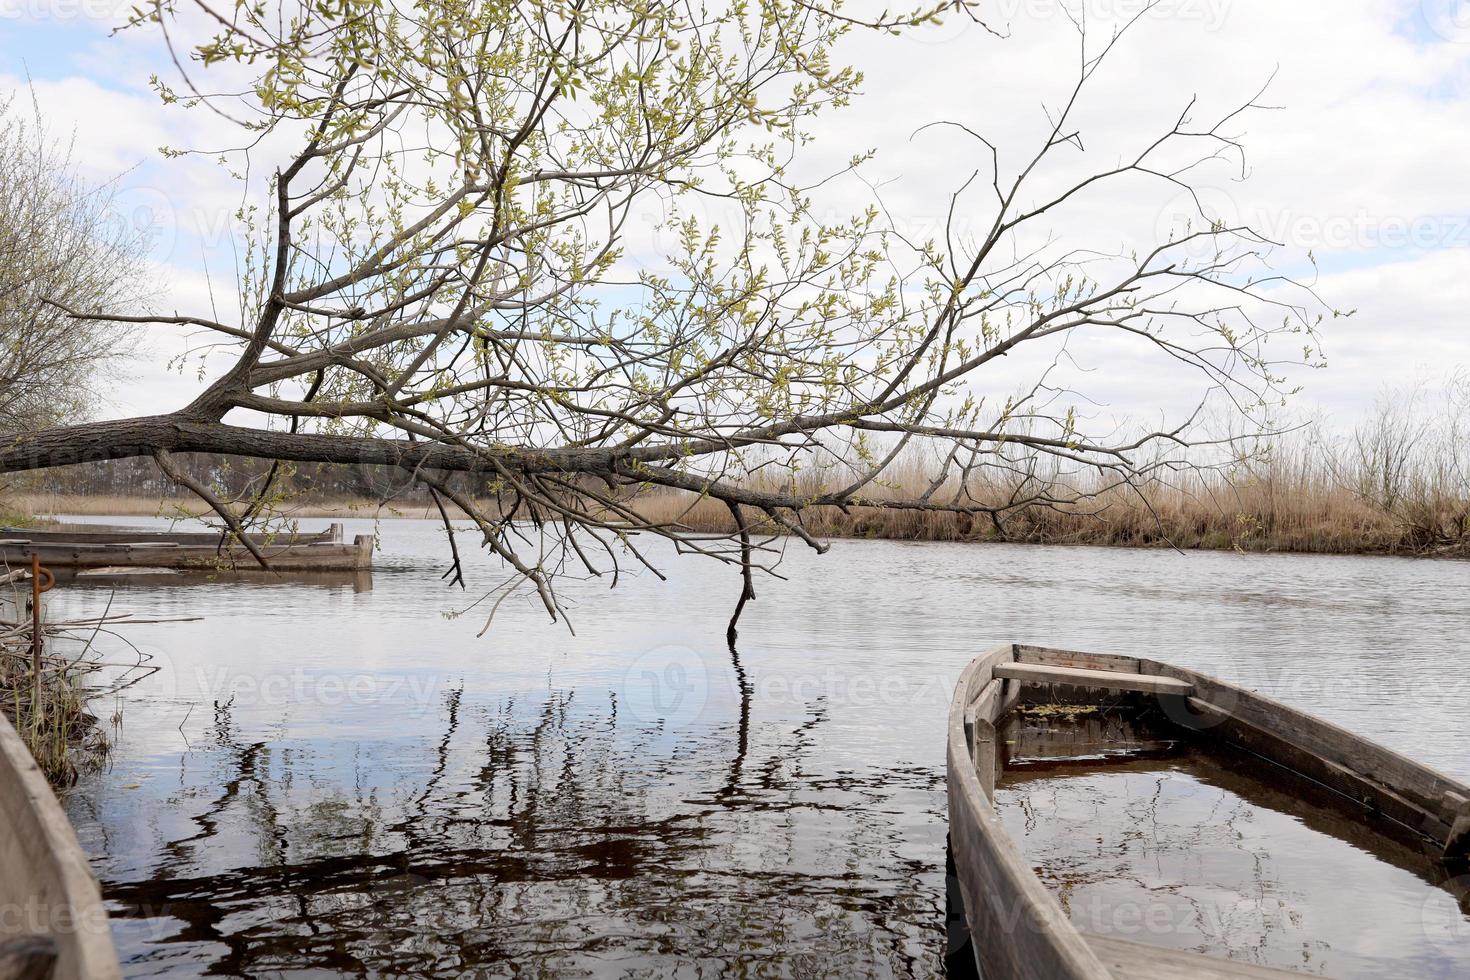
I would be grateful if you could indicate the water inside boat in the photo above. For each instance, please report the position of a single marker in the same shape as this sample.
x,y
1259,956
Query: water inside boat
x,y
1156,838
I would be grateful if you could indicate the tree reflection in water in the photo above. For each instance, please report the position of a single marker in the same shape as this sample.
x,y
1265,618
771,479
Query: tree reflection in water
x,y
552,837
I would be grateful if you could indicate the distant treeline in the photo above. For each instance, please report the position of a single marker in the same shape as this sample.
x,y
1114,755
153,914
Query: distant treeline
x,y
235,479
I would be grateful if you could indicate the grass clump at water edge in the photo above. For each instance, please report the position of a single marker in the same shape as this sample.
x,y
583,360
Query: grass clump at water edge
x,y
51,717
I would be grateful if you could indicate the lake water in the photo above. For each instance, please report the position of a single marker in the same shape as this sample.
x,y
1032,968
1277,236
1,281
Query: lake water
x,y
328,779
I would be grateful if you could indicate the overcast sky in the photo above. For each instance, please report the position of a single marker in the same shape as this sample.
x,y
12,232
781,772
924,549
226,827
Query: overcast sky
x,y
1365,163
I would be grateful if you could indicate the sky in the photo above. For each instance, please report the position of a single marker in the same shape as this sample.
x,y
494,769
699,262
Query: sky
x,y
1362,162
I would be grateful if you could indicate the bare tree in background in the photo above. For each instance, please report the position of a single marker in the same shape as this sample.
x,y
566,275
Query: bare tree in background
x,y
1410,459
437,280
60,240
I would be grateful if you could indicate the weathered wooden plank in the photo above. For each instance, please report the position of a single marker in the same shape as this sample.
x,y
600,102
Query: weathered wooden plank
x,y
44,874
90,534
986,706
978,672
1073,658
1372,795
1019,931
322,555
985,750
1135,961
1422,787
1010,696
1080,677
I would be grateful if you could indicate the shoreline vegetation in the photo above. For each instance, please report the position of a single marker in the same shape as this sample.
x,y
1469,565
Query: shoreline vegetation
x,y
1397,484
51,714
1260,514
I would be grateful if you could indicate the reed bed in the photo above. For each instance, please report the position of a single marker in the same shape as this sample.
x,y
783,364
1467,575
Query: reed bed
x,y
1400,484
1297,498
1270,512
1242,518
52,717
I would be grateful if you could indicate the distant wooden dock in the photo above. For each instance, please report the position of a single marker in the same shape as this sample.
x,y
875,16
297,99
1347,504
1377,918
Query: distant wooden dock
x,y
79,546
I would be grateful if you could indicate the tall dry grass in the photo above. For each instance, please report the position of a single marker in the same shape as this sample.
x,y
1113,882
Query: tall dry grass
x,y
1263,515
1399,483
50,712
1287,505
1297,494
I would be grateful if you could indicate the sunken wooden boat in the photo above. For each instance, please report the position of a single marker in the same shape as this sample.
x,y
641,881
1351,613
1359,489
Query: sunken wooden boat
x,y
1019,931
54,925
78,546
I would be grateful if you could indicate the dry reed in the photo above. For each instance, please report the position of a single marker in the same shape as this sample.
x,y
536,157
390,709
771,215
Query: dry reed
x,y
1299,496
52,716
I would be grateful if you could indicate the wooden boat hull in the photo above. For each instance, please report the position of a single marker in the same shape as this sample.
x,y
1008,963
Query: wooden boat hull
x,y
78,548
106,534
52,902
1018,930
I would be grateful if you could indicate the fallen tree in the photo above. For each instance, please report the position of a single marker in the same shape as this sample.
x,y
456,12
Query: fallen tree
x,y
435,279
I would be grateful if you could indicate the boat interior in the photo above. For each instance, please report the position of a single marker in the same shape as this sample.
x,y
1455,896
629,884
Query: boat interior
x,y
1091,792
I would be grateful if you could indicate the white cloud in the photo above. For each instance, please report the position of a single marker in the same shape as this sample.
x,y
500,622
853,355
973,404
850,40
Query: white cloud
x,y
1363,164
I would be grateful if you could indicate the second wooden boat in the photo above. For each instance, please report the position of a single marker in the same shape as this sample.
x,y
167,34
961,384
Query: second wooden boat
x,y
1017,928
81,547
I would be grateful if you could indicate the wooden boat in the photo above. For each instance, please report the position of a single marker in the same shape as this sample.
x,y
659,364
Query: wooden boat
x,y
54,923
106,534
83,547
1018,930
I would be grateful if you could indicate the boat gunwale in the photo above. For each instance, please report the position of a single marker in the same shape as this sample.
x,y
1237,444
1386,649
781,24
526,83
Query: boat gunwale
x,y
326,555
62,888
1046,944
116,534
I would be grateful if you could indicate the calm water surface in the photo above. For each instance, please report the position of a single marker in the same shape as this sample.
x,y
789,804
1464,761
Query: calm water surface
x,y
329,779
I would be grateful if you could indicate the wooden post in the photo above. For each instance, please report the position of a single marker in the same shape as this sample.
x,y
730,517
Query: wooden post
x,y
35,636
